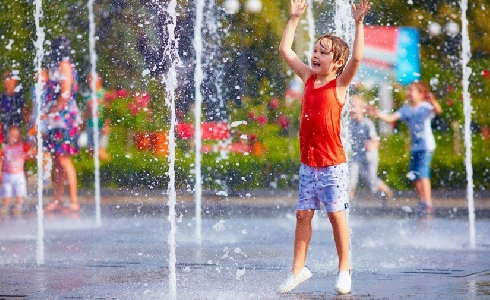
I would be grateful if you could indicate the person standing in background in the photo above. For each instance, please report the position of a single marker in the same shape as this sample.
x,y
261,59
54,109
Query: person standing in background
x,y
365,143
63,124
12,160
422,107
103,121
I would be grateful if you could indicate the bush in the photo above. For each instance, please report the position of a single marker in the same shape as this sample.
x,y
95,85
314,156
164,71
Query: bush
x,y
277,169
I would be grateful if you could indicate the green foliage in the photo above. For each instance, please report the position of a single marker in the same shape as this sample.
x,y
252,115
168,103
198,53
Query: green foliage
x,y
256,37
279,167
120,115
16,35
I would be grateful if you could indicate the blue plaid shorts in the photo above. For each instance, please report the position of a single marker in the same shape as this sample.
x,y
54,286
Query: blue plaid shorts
x,y
327,185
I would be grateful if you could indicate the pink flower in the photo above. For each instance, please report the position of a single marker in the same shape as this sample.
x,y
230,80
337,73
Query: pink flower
x,y
133,108
142,99
485,73
122,93
110,95
283,121
251,115
73,132
262,120
274,104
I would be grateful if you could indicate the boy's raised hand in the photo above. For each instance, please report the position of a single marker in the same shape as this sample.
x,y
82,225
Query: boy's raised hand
x,y
298,7
359,13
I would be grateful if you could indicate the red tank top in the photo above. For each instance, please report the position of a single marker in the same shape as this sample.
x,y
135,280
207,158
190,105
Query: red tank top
x,y
319,131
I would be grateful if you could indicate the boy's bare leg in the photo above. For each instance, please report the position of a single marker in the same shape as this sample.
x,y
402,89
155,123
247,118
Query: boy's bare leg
x,y
385,189
341,237
6,202
423,188
58,180
352,193
18,201
103,155
302,238
71,176
5,209
18,210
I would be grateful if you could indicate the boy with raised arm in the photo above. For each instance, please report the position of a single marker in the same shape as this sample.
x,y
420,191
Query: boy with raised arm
x,y
323,172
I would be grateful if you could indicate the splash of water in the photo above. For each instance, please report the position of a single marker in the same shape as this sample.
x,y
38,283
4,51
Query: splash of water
x,y
311,27
95,108
38,63
465,58
198,79
170,81
344,24
344,28
214,32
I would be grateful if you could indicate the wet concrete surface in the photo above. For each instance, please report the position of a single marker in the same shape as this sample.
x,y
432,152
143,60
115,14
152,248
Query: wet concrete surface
x,y
246,250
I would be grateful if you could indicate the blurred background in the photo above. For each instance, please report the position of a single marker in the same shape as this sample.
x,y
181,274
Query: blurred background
x,y
249,88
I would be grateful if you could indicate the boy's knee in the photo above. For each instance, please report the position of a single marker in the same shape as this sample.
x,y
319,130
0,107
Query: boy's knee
x,y
336,217
304,215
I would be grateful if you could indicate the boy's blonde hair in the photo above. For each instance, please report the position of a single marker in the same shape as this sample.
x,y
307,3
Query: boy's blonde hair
x,y
340,49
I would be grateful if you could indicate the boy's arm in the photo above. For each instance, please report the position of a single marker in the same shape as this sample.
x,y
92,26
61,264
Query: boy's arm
x,y
389,118
372,144
432,100
285,47
352,66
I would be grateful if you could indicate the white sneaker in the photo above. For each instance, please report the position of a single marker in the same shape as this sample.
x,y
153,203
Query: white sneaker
x,y
294,280
344,282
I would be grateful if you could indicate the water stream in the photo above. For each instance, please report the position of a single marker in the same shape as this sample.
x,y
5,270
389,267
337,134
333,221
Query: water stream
x,y
38,64
170,83
198,79
465,58
95,109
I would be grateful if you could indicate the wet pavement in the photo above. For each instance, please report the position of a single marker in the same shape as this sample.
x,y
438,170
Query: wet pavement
x,y
246,250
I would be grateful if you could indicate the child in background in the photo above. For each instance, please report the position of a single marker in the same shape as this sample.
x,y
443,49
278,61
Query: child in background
x,y
12,158
417,114
323,171
103,121
365,143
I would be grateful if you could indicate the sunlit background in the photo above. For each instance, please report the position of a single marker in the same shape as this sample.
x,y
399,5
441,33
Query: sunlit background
x,y
246,81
